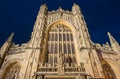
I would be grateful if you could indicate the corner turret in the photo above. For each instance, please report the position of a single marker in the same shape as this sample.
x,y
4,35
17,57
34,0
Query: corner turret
x,y
76,9
43,10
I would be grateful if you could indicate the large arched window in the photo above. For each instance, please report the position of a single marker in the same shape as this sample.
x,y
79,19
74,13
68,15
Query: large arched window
x,y
60,41
12,72
108,72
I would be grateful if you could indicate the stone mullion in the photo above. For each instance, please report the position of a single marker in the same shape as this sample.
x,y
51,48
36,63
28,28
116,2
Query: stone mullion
x,y
66,41
12,74
70,45
70,42
58,42
49,58
52,60
50,41
53,47
62,40
50,45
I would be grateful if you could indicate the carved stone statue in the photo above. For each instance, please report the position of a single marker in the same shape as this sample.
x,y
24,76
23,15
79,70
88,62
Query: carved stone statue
x,y
61,59
61,64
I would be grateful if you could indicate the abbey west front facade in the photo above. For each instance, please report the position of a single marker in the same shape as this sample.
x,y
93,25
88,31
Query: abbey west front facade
x,y
60,48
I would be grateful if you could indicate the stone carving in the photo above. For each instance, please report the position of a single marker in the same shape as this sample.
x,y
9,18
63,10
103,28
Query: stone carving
x,y
65,31
61,64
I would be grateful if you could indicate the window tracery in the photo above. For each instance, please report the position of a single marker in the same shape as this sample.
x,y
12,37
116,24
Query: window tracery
x,y
60,41
109,73
12,72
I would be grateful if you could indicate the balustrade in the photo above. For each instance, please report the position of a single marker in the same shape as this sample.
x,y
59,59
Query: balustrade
x,y
67,68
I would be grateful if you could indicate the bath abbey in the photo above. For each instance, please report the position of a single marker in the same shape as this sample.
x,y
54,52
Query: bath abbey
x,y
60,47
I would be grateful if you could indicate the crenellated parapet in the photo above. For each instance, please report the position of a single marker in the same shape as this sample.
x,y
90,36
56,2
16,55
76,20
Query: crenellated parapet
x,y
60,14
105,48
60,47
112,48
16,49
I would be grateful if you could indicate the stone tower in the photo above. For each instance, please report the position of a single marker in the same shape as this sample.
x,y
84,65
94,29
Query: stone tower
x,y
60,48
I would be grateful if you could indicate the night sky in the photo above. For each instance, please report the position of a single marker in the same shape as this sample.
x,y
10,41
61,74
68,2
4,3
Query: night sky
x,y
19,16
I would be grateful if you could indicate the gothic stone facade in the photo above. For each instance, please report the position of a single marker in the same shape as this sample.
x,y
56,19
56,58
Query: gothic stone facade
x,y
60,48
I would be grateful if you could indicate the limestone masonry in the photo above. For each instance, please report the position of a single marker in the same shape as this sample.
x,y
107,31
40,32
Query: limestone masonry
x,y
60,48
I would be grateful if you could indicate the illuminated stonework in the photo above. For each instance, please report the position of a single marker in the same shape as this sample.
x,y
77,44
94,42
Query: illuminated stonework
x,y
60,48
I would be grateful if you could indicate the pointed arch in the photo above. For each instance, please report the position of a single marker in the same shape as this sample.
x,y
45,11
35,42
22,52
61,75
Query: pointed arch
x,y
65,25
115,67
110,67
61,21
11,69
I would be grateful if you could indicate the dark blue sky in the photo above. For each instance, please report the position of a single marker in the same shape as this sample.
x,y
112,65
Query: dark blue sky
x,y
18,16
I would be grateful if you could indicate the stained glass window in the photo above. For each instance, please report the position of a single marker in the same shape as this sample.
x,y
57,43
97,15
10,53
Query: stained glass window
x,y
12,72
60,41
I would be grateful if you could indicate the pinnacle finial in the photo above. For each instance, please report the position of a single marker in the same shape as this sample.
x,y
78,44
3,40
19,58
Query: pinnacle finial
x,y
109,33
60,8
43,5
76,9
114,43
10,37
74,4
112,39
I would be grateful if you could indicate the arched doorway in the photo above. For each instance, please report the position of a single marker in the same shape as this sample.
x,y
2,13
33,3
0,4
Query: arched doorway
x,y
12,71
